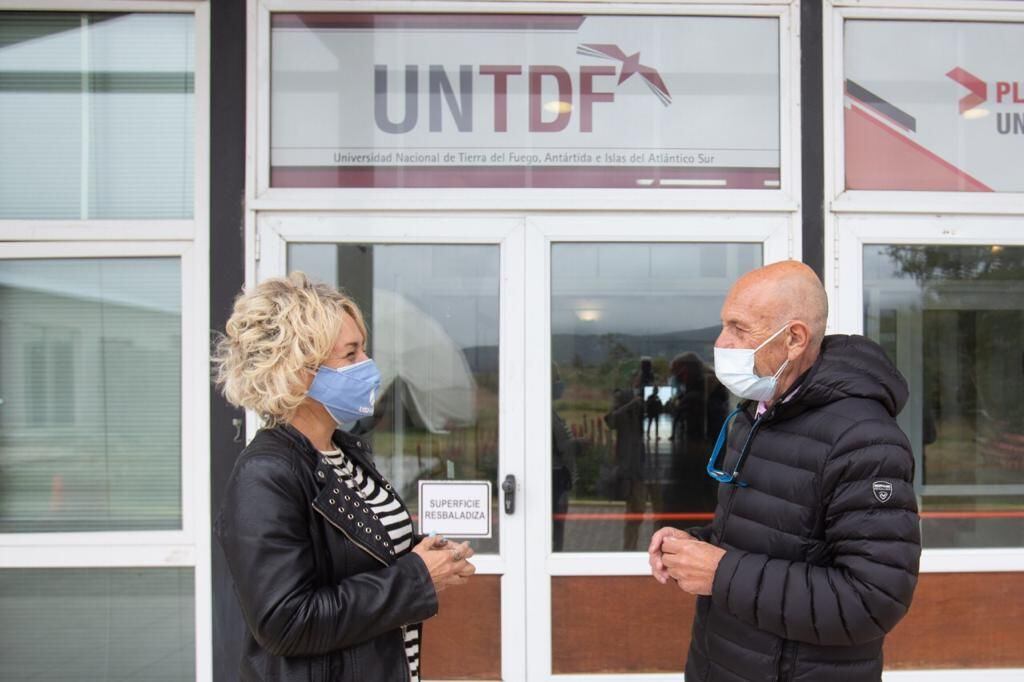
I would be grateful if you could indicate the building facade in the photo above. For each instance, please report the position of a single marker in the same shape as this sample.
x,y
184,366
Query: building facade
x,y
540,207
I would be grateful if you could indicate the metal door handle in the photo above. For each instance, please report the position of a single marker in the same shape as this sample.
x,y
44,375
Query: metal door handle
x,y
509,488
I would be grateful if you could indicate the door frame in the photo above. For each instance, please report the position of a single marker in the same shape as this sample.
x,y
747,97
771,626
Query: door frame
x,y
775,232
274,231
852,233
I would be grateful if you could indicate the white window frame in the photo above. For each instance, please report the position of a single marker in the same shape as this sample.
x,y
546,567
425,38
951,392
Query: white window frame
x,y
786,198
839,199
856,218
188,241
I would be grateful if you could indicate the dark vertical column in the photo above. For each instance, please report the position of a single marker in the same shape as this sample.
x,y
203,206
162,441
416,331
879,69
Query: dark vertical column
x,y
227,274
812,126
355,277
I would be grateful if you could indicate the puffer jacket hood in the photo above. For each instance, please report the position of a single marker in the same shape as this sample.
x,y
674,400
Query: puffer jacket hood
x,y
852,367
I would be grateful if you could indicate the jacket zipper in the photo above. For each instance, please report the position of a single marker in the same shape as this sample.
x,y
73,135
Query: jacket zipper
x,y
748,443
350,538
408,673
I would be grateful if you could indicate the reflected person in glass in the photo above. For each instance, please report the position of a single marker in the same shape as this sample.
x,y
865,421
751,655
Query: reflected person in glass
x,y
698,408
564,449
629,481
812,557
332,580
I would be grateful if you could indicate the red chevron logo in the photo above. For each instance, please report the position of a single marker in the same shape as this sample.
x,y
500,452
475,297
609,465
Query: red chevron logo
x,y
978,88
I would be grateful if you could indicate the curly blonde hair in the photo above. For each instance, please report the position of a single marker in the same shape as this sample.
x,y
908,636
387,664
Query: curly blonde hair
x,y
279,332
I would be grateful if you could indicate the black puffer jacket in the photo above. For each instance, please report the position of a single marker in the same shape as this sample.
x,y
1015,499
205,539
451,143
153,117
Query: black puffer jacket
x,y
823,541
320,589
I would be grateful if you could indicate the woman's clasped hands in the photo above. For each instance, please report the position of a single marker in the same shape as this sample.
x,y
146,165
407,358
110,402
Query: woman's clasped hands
x,y
446,561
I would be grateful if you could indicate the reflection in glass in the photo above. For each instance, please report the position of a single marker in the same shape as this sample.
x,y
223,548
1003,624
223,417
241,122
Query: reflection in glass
x,y
953,319
97,115
76,624
636,403
432,313
90,394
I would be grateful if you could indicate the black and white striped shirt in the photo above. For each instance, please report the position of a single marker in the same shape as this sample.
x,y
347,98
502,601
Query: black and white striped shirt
x,y
385,505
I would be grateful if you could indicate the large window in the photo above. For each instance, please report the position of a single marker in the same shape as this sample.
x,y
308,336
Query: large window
x,y
97,114
75,624
90,376
104,538
952,317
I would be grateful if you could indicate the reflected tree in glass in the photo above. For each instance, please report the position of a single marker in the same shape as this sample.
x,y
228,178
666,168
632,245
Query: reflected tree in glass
x,y
953,319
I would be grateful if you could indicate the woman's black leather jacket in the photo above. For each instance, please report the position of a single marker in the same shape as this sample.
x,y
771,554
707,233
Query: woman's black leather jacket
x,y
322,593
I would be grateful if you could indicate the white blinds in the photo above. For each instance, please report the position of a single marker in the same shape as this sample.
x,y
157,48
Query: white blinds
x,y
97,114
75,624
90,377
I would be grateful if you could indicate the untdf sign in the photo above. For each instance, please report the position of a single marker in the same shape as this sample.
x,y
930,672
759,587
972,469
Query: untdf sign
x,y
460,99
460,509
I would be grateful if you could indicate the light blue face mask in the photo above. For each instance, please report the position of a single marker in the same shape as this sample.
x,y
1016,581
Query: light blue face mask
x,y
348,393
734,367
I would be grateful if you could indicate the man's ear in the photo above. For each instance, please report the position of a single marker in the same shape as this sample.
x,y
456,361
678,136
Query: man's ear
x,y
798,339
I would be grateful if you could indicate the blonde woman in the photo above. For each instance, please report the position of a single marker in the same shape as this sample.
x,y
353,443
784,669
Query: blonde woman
x,y
332,581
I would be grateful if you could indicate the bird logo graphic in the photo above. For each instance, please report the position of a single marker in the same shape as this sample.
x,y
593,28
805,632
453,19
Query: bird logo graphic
x,y
630,65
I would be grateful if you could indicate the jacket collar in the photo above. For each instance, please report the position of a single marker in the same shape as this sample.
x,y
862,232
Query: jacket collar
x,y
354,447
347,512
336,502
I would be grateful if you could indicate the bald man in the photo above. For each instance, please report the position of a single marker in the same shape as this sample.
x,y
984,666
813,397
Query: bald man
x,y
813,553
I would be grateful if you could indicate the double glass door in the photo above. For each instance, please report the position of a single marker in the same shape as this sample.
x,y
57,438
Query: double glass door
x,y
566,357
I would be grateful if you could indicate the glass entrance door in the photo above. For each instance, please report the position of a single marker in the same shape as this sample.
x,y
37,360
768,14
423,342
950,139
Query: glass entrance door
x,y
625,407
572,354
439,311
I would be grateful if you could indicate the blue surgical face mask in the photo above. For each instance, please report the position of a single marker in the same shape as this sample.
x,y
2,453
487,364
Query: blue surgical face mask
x,y
348,393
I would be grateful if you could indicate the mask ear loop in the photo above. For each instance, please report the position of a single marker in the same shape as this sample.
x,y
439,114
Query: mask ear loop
x,y
772,337
782,368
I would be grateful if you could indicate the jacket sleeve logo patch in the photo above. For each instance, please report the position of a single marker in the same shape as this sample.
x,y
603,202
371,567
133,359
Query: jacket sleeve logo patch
x,y
882,490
